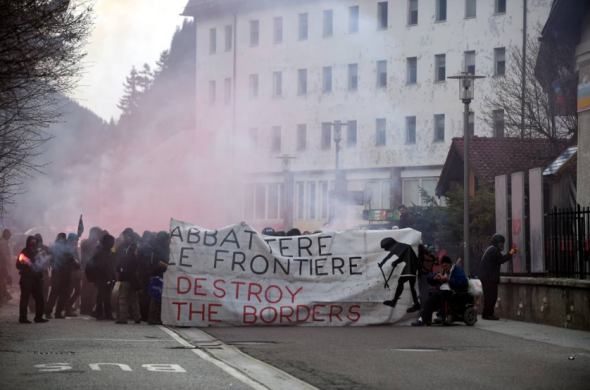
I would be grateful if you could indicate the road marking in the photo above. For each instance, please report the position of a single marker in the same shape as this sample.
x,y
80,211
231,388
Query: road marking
x,y
259,374
96,366
118,340
225,367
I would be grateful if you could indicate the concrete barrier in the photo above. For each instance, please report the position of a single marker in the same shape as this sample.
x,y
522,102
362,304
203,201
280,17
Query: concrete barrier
x,y
558,302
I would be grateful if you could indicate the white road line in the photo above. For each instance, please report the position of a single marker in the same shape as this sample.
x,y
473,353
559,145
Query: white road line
x,y
225,367
132,341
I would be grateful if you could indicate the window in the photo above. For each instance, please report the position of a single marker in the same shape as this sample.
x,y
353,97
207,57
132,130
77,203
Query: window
x,y
254,86
327,79
249,202
260,202
302,81
500,6
212,91
413,15
498,123
381,74
351,134
311,199
441,10
326,135
273,201
353,77
439,128
412,65
277,83
328,23
275,144
412,187
382,15
278,29
324,199
470,8
253,138
228,37
301,137
254,32
300,200
440,61
381,132
470,62
410,129
500,61
227,91
303,27
212,41
381,193
471,124
353,19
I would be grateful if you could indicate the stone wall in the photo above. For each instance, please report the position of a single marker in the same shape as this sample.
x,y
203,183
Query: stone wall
x,y
558,302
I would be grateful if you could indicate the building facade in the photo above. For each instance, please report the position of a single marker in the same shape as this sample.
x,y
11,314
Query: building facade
x,y
273,75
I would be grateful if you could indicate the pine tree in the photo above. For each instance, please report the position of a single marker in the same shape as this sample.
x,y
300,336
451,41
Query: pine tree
x,y
130,100
162,63
145,79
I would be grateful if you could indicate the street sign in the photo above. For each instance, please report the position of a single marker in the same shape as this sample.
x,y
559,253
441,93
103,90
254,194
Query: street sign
x,y
383,215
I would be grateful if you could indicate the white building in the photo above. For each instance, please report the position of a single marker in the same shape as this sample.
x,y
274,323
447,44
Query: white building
x,y
271,74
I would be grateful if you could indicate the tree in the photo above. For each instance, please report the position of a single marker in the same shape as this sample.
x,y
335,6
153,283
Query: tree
x,y
549,93
132,92
41,52
448,219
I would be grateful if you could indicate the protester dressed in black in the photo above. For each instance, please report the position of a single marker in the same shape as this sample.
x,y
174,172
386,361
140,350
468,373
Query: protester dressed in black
x,y
87,250
489,273
104,263
160,264
31,281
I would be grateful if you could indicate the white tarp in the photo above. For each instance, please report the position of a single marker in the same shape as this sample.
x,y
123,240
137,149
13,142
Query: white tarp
x,y
237,277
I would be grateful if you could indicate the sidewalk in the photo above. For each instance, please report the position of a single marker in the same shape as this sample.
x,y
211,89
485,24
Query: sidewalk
x,y
543,333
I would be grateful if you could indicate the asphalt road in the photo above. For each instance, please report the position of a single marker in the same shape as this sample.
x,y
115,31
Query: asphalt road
x,y
73,353
402,357
29,355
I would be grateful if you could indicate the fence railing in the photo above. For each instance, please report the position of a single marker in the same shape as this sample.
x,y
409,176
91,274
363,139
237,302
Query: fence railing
x,y
567,243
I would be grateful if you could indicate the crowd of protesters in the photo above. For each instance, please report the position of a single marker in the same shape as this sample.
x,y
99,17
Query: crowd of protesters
x,y
103,277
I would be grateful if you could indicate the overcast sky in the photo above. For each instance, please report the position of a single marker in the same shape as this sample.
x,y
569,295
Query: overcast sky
x,y
126,33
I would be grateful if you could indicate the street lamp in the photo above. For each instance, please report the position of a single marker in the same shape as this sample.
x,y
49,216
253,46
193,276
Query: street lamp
x,y
288,191
466,94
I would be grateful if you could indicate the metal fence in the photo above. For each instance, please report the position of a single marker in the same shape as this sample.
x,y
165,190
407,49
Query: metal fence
x,y
567,243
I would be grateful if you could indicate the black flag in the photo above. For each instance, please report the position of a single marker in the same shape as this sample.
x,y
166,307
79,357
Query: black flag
x,y
80,227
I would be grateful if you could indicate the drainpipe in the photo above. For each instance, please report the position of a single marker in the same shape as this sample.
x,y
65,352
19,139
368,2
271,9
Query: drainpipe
x,y
523,81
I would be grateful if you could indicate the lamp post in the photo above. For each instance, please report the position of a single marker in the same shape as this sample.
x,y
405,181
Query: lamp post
x,y
466,94
340,183
288,191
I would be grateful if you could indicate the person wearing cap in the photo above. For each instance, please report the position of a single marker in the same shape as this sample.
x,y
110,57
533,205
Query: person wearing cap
x,y
448,279
489,273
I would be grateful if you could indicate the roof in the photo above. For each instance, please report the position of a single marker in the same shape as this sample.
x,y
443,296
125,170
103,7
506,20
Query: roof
x,y
564,24
562,161
491,157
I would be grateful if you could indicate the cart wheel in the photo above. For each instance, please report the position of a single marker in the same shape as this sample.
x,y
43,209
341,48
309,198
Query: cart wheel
x,y
449,320
470,316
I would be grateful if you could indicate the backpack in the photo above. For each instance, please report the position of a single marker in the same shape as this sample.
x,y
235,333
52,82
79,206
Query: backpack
x,y
90,270
427,261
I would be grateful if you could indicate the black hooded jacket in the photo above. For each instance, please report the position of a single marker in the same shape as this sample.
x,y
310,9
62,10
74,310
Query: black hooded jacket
x,y
26,269
492,260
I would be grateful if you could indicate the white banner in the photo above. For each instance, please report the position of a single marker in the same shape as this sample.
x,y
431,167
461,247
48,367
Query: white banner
x,y
238,277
